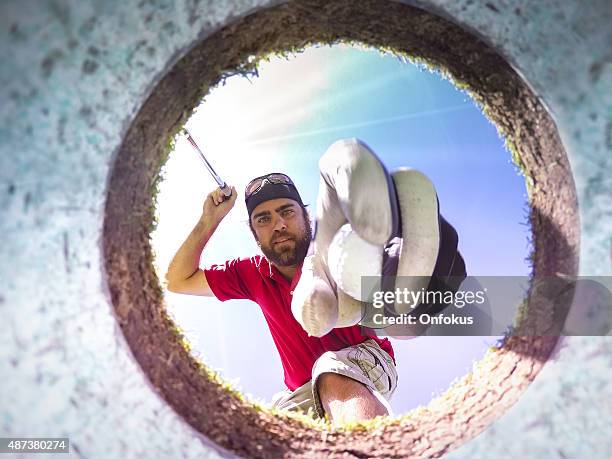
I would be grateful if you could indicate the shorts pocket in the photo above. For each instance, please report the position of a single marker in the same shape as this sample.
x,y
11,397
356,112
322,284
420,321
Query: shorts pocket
x,y
372,367
385,362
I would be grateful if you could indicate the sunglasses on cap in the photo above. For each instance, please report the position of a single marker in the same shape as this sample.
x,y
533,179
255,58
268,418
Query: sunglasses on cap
x,y
257,183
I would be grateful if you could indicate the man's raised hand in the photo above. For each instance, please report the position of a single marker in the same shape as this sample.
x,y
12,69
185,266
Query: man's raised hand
x,y
217,205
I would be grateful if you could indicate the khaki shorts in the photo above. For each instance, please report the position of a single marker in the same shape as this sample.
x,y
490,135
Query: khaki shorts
x,y
365,362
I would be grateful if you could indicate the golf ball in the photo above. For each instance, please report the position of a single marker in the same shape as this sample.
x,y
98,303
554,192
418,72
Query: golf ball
x,y
350,257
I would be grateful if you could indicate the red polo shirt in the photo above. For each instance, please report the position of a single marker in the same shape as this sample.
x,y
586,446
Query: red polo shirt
x,y
256,279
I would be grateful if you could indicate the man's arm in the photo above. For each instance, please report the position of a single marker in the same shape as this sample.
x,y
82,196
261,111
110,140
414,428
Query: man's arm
x,y
184,274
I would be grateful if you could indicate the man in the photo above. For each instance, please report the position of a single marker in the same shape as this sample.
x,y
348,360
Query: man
x,y
343,375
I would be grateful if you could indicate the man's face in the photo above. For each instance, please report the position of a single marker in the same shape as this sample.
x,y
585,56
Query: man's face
x,y
282,231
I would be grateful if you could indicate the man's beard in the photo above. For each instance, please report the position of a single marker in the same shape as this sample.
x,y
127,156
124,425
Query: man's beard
x,y
287,255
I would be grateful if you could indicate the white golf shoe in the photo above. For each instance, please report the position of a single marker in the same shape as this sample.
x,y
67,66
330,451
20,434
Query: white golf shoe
x,y
420,223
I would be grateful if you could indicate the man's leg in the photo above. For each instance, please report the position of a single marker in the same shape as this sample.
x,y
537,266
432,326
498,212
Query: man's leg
x,y
347,400
354,383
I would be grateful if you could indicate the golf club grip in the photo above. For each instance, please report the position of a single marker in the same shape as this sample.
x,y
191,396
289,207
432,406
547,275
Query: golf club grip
x,y
227,191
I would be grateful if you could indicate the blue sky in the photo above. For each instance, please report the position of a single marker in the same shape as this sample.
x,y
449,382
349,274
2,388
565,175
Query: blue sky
x,y
284,121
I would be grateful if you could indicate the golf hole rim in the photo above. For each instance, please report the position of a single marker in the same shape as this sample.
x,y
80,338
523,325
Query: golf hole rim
x,y
470,405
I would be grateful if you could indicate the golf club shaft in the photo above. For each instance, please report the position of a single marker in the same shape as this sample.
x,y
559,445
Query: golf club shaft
x,y
224,187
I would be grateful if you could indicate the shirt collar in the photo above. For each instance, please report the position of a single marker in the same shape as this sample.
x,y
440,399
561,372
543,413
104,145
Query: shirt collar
x,y
267,269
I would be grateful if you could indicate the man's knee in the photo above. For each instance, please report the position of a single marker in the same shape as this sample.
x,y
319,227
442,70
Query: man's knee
x,y
339,387
339,393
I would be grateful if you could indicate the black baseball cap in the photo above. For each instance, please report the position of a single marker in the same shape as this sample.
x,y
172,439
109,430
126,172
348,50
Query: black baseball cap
x,y
270,186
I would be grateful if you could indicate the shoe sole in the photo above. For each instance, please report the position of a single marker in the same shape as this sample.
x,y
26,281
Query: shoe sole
x,y
367,200
420,221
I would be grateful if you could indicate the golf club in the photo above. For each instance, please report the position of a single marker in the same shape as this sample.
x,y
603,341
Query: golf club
x,y
227,191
